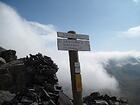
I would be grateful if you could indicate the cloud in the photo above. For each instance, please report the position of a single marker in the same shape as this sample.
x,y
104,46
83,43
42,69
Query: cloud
x,y
136,1
133,32
17,33
32,37
93,70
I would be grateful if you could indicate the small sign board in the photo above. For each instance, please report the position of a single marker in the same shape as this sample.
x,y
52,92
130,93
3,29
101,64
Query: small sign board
x,y
74,36
76,45
77,67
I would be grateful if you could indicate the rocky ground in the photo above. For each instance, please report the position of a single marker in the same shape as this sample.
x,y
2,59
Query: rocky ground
x,y
32,81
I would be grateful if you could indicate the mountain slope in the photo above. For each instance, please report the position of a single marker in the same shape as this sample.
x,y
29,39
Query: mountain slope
x,y
128,76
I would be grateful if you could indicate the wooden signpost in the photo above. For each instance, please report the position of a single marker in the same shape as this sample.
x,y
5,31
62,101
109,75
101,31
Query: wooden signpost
x,y
73,43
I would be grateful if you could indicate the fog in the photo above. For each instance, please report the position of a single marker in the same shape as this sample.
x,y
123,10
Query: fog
x,y
32,37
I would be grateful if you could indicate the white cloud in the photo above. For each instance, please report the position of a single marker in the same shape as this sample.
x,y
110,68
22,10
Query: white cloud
x,y
32,37
133,32
17,33
95,76
136,1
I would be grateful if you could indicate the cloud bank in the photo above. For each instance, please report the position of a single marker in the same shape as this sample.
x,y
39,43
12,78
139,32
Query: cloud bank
x,y
32,37
17,33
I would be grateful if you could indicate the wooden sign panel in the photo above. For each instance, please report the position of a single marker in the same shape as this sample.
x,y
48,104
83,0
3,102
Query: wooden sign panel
x,y
74,36
76,45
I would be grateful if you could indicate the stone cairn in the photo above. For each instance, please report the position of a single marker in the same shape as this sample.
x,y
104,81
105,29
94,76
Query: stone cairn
x,y
40,84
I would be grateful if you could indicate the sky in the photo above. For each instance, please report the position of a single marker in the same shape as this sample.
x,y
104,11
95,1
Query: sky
x,y
113,25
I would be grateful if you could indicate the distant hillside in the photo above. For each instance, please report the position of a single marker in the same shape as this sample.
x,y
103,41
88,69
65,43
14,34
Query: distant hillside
x,y
128,76
1,49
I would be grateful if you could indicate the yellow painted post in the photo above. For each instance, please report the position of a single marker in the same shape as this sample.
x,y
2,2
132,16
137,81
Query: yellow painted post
x,y
75,76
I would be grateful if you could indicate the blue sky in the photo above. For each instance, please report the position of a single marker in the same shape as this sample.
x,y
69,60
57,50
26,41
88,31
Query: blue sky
x,y
108,22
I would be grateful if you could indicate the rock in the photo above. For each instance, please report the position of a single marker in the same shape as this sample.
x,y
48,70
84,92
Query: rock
x,y
5,96
33,79
40,69
26,72
8,55
2,49
12,76
96,99
2,61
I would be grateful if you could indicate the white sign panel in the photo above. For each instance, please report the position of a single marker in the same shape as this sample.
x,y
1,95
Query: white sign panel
x,y
77,45
75,36
77,67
